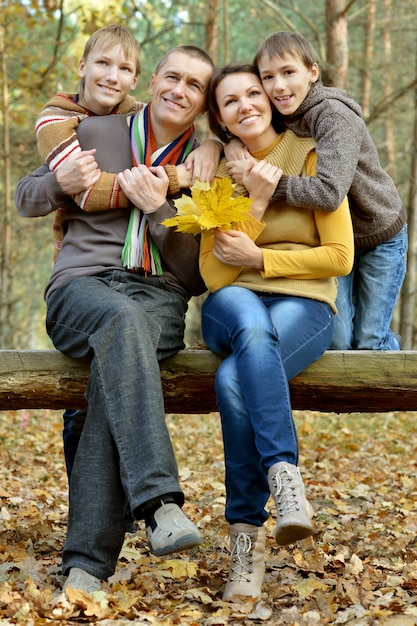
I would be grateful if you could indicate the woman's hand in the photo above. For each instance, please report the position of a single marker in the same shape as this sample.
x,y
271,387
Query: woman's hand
x,y
236,248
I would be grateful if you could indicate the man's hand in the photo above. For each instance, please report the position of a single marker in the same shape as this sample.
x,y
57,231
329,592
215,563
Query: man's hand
x,y
145,187
78,172
204,160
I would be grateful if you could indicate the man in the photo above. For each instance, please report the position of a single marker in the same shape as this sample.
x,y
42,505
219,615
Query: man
x,y
125,321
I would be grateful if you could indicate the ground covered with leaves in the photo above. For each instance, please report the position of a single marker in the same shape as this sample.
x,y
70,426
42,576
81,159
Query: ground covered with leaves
x,y
360,473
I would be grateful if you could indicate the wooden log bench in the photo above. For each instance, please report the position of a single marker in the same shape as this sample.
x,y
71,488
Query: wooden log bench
x,y
353,381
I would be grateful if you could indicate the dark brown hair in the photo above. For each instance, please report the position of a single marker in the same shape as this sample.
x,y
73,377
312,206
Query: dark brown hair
x,y
213,108
285,42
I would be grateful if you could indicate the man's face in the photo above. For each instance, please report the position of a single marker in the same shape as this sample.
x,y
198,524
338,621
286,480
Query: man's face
x,y
179,92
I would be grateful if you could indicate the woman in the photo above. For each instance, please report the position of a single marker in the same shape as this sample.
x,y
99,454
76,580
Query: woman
x,y
269,314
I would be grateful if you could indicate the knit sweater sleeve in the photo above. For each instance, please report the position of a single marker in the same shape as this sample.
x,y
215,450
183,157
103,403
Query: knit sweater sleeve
x,y
333,257
338,133
56,130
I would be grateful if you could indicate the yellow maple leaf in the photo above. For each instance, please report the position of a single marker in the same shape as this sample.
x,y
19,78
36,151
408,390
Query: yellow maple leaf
x,y
307,588
177,568
210,206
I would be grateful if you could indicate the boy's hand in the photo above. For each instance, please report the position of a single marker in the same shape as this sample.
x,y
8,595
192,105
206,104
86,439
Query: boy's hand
x,y
238,170
234,150
261,179
78,172
184,176
261,182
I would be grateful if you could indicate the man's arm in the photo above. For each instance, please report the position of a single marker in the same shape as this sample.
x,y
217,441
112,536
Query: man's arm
x,y
41,192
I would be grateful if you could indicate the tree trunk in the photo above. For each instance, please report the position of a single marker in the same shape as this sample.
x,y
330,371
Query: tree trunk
x,y
337,44
368,51
226,31
390,144
6,334
408,291
212,29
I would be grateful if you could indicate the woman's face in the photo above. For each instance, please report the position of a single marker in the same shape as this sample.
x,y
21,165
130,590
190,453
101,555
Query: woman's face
x,y
244,107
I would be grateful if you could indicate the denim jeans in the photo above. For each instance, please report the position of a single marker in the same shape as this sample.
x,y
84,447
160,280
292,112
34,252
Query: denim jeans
x,y
73,424
266,341
125,323
367,296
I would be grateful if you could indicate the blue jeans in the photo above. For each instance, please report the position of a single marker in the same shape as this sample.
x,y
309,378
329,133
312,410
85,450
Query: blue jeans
x,y
125,323
266,341
367,296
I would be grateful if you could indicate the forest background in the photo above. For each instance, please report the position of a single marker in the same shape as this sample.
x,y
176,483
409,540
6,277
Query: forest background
x,y
368,48
360,469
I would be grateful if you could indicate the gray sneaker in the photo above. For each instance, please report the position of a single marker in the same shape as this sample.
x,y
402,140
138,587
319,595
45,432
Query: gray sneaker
x,y
171,531
82,580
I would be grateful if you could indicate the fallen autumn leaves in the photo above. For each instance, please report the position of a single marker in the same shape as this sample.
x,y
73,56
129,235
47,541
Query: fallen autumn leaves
x,y
360,474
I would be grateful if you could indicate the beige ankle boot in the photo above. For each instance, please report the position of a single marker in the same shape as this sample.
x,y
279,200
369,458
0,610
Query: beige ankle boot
x,y
247,561
293,509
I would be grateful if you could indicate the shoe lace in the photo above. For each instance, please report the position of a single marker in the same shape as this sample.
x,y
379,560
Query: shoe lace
x,y
241,557
286,498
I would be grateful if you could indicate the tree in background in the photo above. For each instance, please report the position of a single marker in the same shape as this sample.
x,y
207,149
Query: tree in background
x,y
358,43
32,51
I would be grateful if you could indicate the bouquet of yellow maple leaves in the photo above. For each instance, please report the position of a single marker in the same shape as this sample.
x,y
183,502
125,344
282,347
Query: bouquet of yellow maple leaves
x,y
210,206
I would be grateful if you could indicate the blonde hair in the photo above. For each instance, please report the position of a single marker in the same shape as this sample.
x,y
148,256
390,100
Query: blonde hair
x,y
108,37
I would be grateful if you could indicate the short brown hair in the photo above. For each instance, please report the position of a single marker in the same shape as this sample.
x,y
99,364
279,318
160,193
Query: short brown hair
x,y
192,51
285,42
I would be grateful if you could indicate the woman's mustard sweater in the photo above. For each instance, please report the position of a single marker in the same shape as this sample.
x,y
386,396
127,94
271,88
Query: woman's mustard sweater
x,y
303,251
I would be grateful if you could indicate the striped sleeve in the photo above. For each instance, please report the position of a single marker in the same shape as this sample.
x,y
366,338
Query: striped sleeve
x,y
56,135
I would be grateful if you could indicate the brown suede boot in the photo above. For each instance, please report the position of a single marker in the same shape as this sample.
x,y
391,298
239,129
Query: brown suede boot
x,y
293,509
247,562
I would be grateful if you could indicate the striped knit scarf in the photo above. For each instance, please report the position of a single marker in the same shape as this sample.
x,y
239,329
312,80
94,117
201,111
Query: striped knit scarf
x,y
140,251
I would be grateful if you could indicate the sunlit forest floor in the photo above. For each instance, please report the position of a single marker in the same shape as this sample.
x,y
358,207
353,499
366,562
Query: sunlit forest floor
x,y
360,474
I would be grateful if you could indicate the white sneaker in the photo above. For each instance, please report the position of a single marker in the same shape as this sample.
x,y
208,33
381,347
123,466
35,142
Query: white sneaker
x,y
82,580
171,531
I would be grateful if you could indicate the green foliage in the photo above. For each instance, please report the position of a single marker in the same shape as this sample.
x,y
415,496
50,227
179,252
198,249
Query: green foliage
x,y
44,41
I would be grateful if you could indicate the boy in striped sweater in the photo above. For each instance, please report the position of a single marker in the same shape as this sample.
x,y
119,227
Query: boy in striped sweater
x,y
108,70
